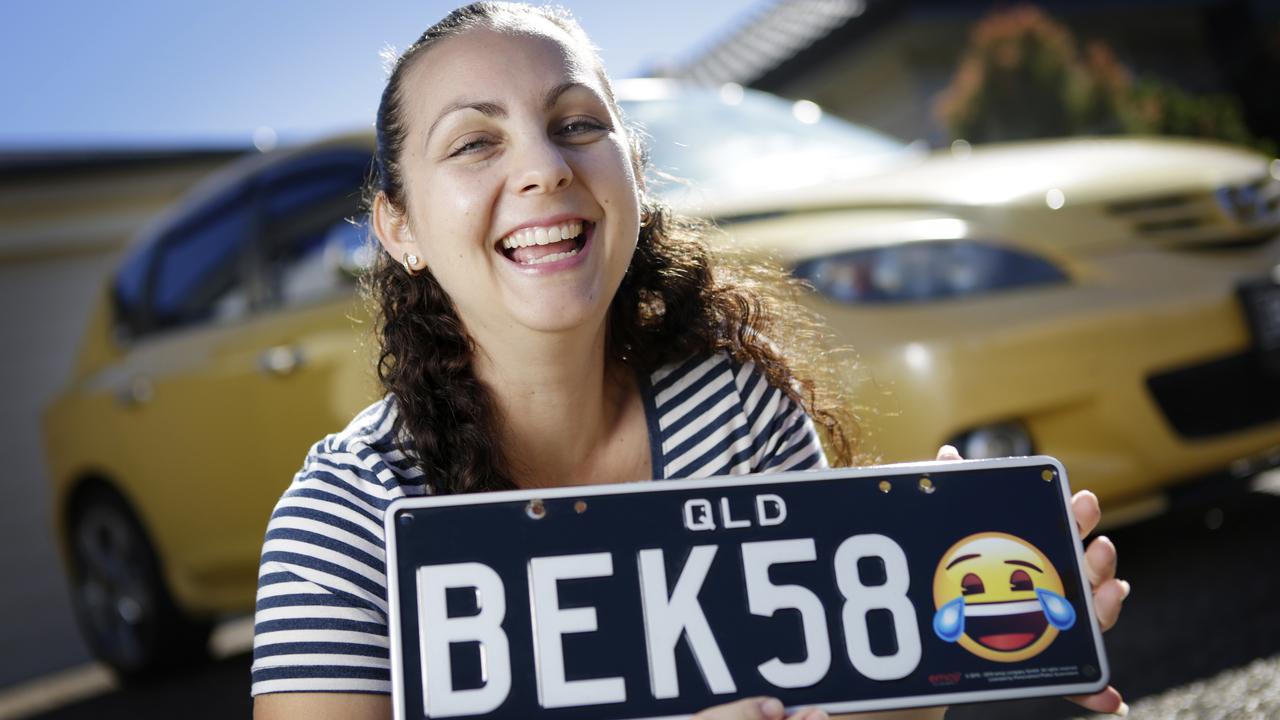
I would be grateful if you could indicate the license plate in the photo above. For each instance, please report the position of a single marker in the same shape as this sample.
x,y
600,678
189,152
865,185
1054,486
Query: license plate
x,y
853,590
1261,302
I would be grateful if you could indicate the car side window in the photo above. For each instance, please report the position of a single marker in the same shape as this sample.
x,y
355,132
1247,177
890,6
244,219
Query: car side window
x,y
199,274
284,236
193,272
309,208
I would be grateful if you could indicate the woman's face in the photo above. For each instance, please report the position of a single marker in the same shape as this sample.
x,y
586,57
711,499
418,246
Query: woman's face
x,y
519,186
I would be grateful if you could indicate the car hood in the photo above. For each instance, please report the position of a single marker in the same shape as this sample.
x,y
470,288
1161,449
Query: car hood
x,y
1173,190
1086,170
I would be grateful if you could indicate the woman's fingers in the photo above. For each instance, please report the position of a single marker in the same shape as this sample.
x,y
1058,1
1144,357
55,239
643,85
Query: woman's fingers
x,y
1107,701
1084,505
755,708
1108,599
1108,592
1100,560
948,452
758,708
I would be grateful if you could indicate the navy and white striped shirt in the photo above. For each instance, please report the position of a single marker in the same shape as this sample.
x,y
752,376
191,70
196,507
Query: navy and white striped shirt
x,y
321,620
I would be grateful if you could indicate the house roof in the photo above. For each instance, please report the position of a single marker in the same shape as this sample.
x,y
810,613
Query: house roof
x,y
768,39
25,165
785,40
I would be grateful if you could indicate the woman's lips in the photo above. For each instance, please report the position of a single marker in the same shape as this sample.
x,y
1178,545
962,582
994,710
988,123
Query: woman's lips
x,y
551,255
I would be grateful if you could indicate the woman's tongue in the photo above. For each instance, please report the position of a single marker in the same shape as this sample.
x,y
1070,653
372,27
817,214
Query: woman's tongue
x,y
532,253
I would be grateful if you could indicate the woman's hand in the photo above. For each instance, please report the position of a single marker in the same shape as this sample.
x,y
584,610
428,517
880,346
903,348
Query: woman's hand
x,y
1100,566
1108,592
758,708
767,708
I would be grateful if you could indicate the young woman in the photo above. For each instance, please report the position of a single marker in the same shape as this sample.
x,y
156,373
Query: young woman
x,y
542,322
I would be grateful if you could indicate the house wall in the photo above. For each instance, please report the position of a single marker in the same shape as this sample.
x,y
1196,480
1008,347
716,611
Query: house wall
x,y
61,232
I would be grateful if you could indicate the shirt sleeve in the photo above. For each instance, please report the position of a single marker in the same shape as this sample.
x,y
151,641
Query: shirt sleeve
x,y
320,622
783,436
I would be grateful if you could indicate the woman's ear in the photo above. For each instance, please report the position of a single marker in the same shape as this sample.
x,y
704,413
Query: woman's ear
x,y
392,228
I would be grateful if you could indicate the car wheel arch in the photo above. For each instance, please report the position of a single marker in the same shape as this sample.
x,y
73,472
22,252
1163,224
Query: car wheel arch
x,y
181,639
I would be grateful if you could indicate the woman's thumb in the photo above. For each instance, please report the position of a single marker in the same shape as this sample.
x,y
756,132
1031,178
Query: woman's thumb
x,y
755,708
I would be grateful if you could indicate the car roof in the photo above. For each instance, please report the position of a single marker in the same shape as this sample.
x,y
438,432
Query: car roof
x,y
238,171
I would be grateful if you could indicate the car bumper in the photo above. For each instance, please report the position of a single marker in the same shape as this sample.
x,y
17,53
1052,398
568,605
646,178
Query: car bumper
x,y
1075,364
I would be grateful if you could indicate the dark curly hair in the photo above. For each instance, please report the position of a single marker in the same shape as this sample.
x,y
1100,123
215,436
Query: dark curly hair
x,y
678,299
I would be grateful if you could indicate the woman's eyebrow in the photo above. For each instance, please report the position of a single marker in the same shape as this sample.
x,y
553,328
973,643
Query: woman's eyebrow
x,y
553,95
490,108
485,107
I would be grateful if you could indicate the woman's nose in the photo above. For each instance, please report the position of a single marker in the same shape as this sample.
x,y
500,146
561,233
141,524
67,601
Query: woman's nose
x,y
540,168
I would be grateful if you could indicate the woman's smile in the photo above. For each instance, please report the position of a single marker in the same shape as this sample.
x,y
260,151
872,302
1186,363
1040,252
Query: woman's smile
x,y
546,246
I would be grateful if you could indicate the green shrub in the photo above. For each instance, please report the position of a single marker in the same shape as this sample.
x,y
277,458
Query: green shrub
x,y
1022,76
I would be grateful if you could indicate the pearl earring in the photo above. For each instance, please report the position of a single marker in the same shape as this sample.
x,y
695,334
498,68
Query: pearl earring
x,y
410,264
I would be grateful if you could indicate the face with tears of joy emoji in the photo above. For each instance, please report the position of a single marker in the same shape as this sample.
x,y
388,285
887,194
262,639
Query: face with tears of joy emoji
x,y
999,597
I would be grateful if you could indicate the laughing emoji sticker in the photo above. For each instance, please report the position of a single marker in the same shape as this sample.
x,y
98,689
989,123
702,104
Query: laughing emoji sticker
x,y
999,597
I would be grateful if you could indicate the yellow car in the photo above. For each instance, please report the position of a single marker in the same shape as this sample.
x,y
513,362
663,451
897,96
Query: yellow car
x,y
224,345
1113,302
1109,302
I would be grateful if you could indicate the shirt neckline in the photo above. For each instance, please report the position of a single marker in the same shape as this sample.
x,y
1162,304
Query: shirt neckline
x,y
657,467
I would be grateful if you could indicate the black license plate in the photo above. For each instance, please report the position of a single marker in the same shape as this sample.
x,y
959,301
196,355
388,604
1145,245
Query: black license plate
x,y
853,589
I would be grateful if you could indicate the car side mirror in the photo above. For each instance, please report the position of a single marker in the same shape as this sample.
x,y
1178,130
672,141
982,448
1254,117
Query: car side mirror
x,y
348,248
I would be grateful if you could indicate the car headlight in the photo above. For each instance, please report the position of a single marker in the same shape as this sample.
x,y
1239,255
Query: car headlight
x,y
929,270
1005,439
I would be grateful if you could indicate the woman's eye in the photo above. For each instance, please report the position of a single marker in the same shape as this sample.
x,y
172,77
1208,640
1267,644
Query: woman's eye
x,y
1020,581
581,126
469,146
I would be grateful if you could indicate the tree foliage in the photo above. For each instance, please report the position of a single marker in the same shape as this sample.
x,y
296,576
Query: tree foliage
x,y
1023,75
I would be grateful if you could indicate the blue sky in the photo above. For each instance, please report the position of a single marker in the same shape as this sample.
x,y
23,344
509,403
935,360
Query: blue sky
x,y
182,72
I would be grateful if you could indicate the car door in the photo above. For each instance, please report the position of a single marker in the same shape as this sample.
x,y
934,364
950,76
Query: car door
x,y
185,390
309,334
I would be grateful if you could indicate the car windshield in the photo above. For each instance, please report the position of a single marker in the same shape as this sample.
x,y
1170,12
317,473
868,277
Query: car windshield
x,y
733,140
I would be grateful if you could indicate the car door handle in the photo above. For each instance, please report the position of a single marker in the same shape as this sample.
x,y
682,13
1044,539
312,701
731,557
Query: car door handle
x,y
138,391
280,360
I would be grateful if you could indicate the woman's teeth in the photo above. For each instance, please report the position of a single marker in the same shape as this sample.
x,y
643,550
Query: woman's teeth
x,y
526,237
551,258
